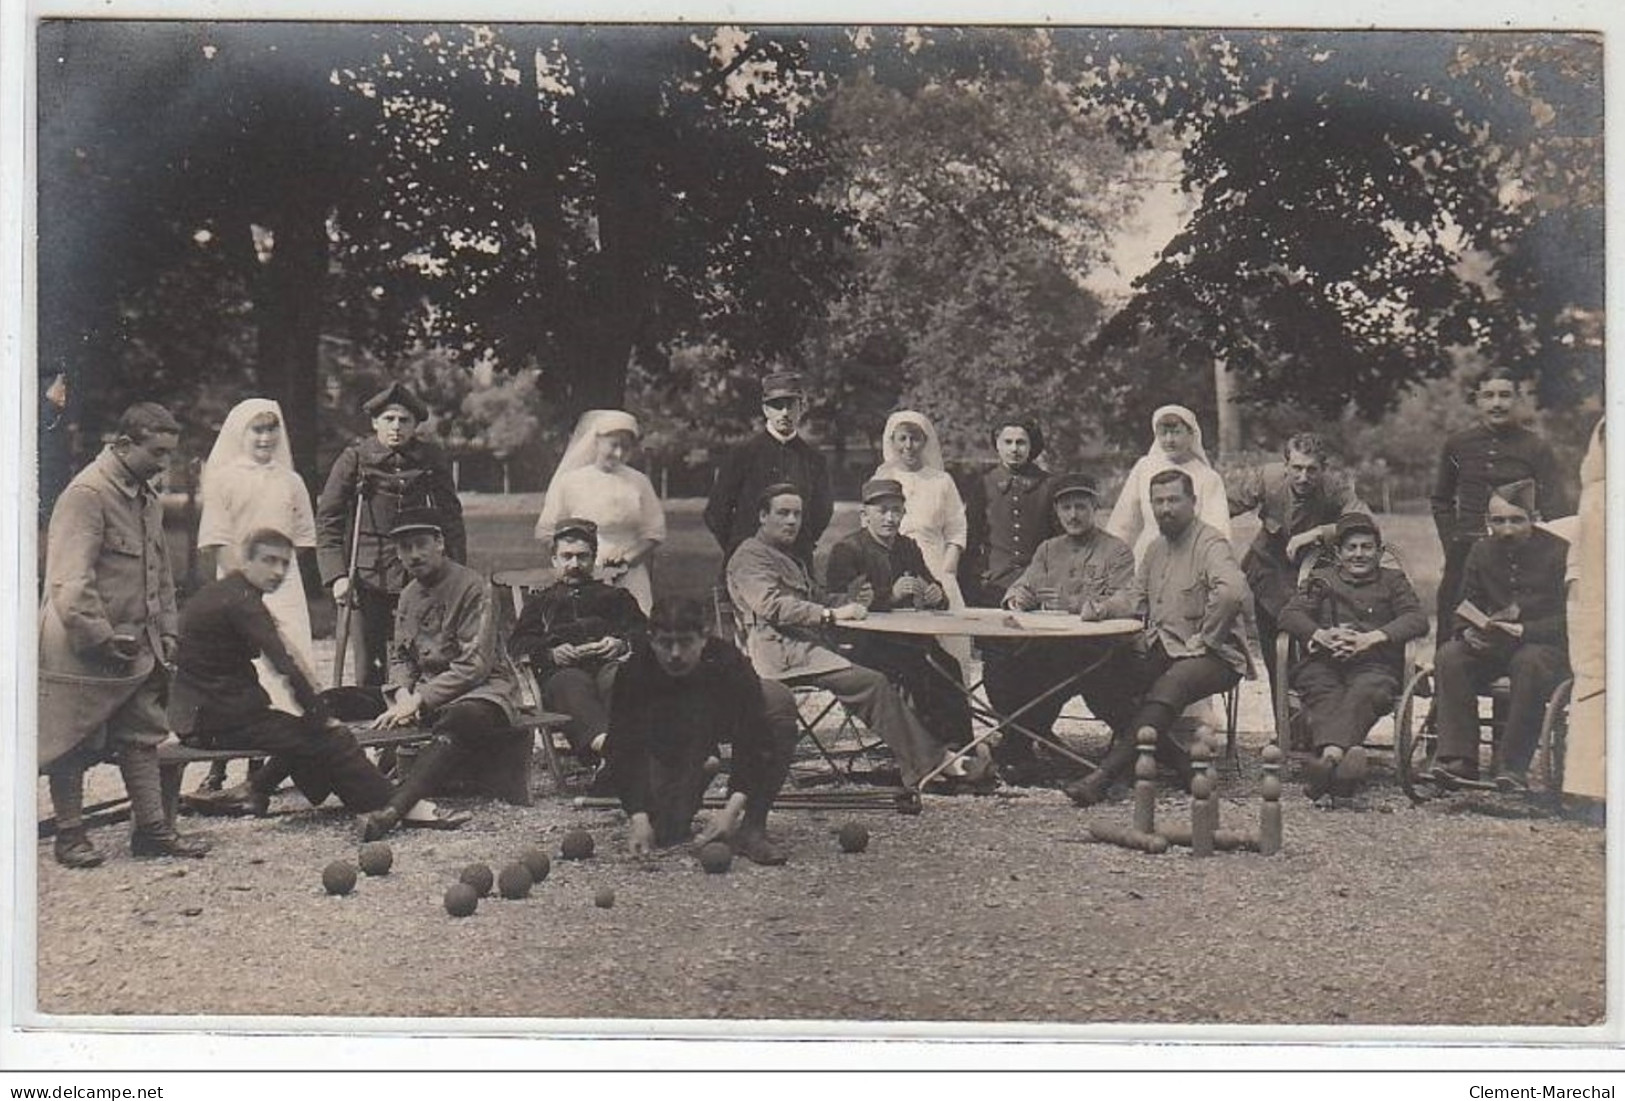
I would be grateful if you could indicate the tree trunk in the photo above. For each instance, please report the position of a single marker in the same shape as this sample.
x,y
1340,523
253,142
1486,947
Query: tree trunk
x,y
289,309
1224,390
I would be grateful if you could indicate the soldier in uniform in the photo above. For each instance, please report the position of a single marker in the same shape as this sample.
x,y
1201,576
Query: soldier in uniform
x,y
776,455
382,474
107,630
1495,451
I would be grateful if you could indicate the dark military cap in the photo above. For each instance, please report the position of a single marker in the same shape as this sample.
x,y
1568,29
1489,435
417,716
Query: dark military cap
x,y
396,394
1519,494
1076,483
578,527
1351,522
878,489
783,384
410,521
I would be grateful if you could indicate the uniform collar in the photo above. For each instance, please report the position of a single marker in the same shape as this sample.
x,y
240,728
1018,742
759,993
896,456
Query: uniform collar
x,y
121,476
775,437
1023,477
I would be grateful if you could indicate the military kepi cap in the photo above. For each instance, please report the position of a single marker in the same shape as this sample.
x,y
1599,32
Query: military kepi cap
x,y
878,489
396,394
1520,494
576,526
1351,522
410,521
783,384
1076,483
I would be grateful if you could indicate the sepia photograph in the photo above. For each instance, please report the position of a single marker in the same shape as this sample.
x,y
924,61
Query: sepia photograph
x,y
616,528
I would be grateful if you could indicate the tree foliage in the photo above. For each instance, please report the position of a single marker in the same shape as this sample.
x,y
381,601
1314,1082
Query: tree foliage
x,y
1367,201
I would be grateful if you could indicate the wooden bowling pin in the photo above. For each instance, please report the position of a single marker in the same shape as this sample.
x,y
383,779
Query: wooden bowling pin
x,y
1201,802
1125,838
1145,780
1269,815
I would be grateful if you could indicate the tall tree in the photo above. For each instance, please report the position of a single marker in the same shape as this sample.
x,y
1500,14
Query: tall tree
x,y
1358,207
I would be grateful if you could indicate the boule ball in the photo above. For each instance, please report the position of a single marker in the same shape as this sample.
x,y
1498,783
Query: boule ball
x,y
376,858
461,900
339,877
605,898
479,877
514,881
854,838
716,857
537,862
577,845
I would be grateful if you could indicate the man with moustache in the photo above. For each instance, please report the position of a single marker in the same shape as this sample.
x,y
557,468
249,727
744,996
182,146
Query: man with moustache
x,y
778,454
1498,450
1192,593
107,629
444,668
1085,572
576,633
1514,578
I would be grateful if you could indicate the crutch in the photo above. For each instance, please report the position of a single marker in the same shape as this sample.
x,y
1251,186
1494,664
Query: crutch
x,y
347,605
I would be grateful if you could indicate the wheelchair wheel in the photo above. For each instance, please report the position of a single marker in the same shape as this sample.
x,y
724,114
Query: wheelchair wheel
x,y
1547,774
1415,738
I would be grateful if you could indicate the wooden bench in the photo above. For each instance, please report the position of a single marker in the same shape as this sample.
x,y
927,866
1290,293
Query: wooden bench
x,y
517,762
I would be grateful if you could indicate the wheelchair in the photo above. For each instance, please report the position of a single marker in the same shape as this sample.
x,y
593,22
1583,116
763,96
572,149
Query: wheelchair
x,y
1291,720
1416,739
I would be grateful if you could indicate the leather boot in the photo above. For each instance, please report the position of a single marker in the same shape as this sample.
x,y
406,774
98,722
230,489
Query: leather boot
x,y
164,841
73,849
1097,785
431,766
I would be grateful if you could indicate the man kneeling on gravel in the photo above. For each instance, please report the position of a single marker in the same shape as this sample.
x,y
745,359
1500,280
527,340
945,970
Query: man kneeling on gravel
x,y
678,697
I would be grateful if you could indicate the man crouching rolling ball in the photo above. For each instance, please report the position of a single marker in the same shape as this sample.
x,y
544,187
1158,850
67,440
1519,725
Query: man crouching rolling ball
x,y
675,700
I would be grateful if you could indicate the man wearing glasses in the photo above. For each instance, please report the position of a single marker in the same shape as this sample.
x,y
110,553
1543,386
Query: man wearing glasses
x,y
776,455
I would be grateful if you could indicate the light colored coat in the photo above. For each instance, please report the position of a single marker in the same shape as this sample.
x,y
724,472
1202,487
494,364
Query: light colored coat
x,y
107,571
779,608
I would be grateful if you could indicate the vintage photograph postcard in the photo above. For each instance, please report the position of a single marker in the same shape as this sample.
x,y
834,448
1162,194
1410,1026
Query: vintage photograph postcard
x,y
740,527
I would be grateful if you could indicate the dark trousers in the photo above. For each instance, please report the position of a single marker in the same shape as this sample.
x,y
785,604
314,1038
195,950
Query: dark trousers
x,y
1450,583
1015,675
1268,631
942,708
370,633
1344,698
677,789
1166,686
466,732
1536,669
583,694
321,760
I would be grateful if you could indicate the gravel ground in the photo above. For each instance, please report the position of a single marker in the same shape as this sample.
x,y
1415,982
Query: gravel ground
x,y
994,908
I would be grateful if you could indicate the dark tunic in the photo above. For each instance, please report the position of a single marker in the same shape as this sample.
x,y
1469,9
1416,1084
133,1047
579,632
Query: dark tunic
x,y
224,628
415,475
1010,512
731,513
574,614
1475,461
1504,572
662,728
1384,602
860,556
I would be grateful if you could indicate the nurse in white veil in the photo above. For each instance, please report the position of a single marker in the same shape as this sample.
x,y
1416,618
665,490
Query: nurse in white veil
x,y
594,483
249,483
